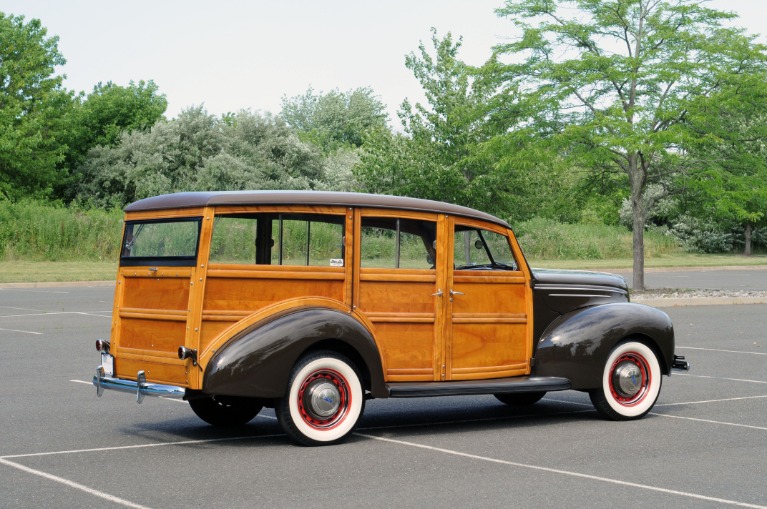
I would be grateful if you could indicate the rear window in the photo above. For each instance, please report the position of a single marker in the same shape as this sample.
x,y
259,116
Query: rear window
x,y
161,242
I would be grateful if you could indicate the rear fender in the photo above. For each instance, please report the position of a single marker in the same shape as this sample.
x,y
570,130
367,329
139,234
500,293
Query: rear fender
x,y
576,345
257,362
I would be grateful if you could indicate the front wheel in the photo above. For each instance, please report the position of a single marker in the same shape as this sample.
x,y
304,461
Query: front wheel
x,y
631,382
225,410
324,400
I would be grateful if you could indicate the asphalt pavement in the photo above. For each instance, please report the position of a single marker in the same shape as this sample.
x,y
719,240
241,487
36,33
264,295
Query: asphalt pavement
x,y
703,445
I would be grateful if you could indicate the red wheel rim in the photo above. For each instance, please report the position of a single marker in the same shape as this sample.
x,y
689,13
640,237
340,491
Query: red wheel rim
x,y
630,379
324,399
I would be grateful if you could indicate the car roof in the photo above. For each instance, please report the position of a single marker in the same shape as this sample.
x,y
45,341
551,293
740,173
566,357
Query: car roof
x,y
214,198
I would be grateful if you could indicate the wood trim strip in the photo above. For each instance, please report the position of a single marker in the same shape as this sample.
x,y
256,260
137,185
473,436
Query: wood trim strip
x,y
171,315
490,369
401,275
394,317
336,275
489,318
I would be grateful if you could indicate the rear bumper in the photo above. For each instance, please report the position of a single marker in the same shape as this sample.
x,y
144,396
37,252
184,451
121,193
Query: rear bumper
x,y
140,387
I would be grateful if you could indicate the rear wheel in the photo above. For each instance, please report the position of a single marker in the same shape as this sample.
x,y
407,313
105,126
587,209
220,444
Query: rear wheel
x,y
631,382
520,398
225,410
324,400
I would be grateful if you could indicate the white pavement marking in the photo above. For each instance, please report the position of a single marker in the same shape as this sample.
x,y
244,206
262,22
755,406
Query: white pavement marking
x,y
73,484
565,472
718,350
709,421
23,331
709,401
53,313
724,378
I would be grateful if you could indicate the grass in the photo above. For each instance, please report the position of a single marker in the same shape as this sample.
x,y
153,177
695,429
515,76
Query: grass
x,y
669,261
50,272
44,272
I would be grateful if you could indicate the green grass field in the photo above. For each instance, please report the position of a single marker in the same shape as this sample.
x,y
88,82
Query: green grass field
x,y
44,272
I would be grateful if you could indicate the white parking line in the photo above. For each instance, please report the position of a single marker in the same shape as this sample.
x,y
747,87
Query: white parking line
x,y
718,350
723,378
54,313
72,484
5,460
709,421
709,401
565,472
23,331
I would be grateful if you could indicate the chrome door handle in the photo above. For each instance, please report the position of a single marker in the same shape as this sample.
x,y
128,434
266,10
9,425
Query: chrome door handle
x,y
456,293
438,294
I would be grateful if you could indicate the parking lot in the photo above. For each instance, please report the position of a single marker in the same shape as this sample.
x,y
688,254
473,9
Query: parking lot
x,y
703,445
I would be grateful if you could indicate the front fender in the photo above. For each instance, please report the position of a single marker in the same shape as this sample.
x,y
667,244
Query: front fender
x,y
576,345
257,362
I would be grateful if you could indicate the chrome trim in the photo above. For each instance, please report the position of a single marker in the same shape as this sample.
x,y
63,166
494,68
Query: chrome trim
x,y
140,387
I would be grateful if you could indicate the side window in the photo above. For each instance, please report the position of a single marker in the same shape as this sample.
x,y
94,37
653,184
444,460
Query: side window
x,y
478,249
397,243
279,239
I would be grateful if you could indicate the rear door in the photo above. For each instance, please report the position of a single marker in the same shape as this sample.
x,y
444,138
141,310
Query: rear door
x,y
153,300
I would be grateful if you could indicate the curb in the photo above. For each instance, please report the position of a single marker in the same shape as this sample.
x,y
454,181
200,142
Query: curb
x,y
58,284
700,301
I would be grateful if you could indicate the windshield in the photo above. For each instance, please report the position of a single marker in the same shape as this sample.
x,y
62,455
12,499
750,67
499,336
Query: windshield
x,y
163,242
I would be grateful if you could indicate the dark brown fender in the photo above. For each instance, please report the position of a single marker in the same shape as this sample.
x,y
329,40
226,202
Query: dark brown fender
x,y
576,345
257,362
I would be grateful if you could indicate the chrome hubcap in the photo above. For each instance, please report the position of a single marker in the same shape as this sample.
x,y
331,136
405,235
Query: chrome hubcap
x,y
627,379
323,399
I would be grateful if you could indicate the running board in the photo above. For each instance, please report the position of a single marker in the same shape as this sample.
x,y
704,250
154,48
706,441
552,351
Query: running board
x,y
467,387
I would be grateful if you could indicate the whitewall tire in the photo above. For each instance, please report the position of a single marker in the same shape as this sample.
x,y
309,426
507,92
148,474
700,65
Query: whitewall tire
x,y
324,400
631,382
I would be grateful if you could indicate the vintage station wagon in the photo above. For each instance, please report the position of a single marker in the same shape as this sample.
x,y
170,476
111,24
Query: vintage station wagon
x,y
314,302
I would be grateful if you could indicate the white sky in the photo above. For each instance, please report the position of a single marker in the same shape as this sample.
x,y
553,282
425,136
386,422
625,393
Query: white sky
x,y
248,54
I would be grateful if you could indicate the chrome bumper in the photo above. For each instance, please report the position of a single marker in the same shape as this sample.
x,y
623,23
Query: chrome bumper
x,y
680,363
139,387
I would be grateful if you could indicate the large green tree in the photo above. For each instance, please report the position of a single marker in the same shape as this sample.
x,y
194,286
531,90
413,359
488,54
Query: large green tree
x,y
620,74
728,182
198,151
334,119
34,109
442,153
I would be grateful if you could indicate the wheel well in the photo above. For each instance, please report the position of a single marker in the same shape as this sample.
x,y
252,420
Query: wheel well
x,y
652,345
348,351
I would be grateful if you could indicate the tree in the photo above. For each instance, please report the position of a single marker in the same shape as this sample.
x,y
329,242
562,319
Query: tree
x,y
334,119
197,151
621,74
33,109
729,181
111,109
442,154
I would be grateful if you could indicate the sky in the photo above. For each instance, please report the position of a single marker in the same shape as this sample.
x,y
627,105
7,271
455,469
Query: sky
x,y
230,55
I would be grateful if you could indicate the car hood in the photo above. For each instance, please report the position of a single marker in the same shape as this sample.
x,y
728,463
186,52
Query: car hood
x,y
578,278
562,291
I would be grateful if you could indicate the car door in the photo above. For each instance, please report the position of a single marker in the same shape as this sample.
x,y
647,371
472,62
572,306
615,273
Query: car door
x,y
489,304
396,288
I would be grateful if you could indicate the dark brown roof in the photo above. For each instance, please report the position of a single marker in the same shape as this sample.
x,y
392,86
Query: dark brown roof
x,y
211,198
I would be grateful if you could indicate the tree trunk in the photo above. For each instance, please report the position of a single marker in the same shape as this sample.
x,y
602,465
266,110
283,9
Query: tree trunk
x,y
639,218
638,177
747,233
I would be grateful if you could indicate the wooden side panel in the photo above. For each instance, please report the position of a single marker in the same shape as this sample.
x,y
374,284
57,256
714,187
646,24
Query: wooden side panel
x,y
234,292
151,322
489,327
403,316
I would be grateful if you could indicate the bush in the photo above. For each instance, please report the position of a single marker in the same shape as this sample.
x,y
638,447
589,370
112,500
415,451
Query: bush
x,y
546,239
39,231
